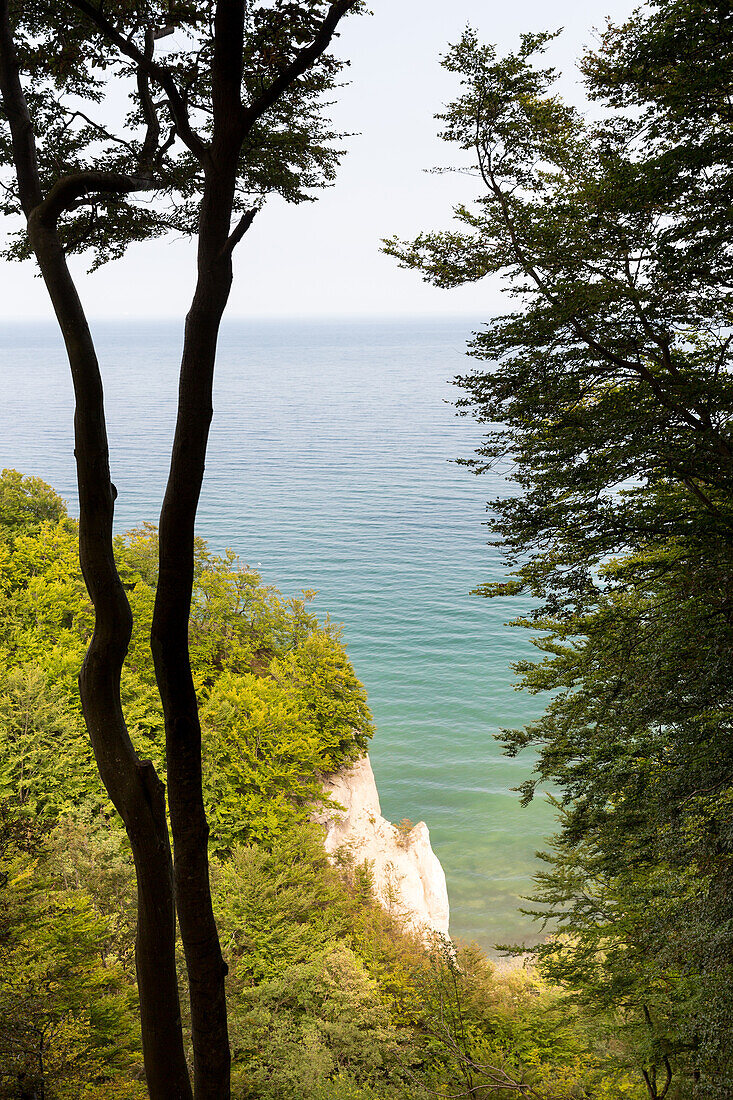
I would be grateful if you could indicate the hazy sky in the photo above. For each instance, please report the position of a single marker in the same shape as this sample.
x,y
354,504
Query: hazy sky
x,y
323,258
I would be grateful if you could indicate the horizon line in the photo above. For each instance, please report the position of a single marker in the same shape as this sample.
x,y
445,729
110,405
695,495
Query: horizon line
x,y
256,318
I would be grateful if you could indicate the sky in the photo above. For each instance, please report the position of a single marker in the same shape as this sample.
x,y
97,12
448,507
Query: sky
x,y
323,258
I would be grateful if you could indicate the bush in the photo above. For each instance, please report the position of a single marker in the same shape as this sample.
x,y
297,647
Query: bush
x,y
280,702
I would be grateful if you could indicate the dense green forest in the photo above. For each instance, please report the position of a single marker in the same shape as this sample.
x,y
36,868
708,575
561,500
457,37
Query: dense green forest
x,y
329,998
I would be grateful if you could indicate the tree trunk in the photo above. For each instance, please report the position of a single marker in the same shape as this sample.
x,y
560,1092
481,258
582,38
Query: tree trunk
x,y
131,783
204,962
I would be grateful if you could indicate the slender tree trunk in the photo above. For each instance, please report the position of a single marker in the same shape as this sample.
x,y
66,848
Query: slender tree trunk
x,y
204,962
132,784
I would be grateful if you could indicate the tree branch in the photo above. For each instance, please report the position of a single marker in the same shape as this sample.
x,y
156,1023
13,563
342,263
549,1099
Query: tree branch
x,y
300,64
239,230
694,420
67,191
101,130
150,113
159,73
16,109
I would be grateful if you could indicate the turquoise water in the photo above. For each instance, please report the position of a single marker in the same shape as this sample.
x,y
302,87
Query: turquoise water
x,y
329,469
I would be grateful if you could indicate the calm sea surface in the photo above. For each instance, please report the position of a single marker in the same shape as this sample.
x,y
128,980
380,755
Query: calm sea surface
x,y
329,468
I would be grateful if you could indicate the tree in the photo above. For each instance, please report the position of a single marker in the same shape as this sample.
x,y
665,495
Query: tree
x,y
637,738
609,398
616,365
66,1026
216,123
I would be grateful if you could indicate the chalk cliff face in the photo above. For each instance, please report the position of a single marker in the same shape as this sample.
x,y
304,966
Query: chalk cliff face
x,y
408,878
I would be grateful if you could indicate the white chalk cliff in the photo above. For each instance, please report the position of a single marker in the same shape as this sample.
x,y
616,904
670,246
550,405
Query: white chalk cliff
x,y
409,880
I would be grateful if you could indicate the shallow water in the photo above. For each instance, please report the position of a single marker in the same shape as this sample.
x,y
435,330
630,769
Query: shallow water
x,y
329,469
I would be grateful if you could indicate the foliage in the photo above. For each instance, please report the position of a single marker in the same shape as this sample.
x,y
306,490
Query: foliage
x,y
280,701
608,399
76,76
330,996
611,947
66,1011
506,1032
636,737
322,1017
26,502
329,999
614,371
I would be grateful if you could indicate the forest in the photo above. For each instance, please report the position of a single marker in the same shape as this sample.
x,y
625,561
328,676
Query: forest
x,y
328,995
170,925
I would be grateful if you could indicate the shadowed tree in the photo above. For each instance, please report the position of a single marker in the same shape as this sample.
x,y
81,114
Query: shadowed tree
x,y
607,396
613,237
225,107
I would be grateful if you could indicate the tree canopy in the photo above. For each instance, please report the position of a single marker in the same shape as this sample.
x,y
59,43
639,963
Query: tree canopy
x,y
607,397
281,704
121,103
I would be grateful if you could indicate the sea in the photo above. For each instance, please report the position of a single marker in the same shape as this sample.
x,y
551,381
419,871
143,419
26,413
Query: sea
x,y
331,467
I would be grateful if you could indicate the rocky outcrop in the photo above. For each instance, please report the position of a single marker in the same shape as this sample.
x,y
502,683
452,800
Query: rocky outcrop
x,y
408,878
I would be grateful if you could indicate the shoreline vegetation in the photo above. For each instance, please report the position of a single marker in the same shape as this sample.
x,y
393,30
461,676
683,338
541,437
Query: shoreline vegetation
x,y
330,996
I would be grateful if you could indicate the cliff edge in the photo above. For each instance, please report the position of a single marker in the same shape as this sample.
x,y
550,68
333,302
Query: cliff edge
x,y
409,880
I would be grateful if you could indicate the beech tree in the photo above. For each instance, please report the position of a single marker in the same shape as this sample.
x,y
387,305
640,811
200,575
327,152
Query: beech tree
x,y
227,111
607,396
